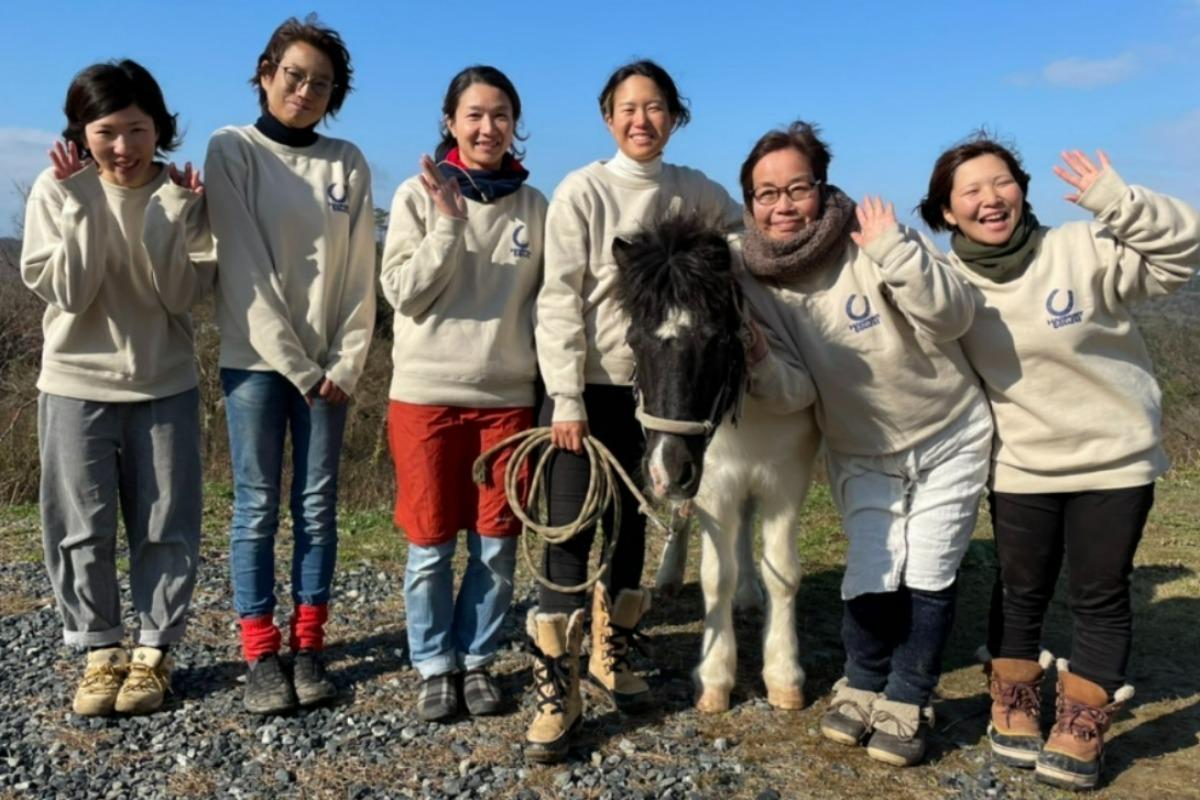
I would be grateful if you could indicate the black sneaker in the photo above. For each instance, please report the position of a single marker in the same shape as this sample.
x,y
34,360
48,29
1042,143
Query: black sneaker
x,y
268,689
438,697
481,693
312,684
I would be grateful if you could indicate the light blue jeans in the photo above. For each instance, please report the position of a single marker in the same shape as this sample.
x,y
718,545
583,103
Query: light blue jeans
x,y
260,408
445,634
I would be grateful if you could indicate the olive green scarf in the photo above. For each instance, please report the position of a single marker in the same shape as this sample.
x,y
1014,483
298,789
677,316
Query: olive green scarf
x,y
1005,262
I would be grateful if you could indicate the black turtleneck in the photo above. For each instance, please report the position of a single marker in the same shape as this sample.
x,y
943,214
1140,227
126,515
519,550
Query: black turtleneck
x,y
276,131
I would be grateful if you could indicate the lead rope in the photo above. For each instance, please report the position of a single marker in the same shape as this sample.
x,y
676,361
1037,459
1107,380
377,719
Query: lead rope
x,y
601,493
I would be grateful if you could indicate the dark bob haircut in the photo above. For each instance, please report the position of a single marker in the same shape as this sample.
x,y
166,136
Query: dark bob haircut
x,y
313,33
677,106
103,89
799,136
941,180
489,76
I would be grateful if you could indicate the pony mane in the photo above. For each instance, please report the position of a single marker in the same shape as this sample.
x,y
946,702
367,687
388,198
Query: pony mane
x,y
679,263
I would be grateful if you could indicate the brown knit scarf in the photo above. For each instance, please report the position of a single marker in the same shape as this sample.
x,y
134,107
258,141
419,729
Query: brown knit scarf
x,y
786,261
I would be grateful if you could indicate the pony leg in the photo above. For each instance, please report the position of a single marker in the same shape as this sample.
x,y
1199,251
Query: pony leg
x,y
669,578
782,673
715,674
749,596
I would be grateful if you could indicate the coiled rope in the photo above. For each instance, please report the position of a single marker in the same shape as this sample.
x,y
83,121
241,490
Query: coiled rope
x,y
602,492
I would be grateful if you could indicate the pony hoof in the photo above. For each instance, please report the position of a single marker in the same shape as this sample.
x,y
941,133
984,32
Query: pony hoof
x,y
712,701
786,698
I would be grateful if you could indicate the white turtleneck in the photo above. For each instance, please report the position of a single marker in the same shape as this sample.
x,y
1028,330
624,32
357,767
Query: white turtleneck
x,y
580,328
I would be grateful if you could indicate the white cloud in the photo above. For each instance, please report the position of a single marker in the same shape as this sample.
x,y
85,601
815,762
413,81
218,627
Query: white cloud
x,y
1089,73
22,157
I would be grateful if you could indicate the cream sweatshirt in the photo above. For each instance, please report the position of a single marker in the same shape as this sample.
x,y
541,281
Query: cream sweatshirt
x,y
463,291
876,330
119,270
580,327
295,241
1070,382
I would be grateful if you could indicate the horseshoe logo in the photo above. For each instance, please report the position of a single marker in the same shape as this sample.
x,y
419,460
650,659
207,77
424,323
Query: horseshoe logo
x,y
332,194
1056,312
516,237
866,308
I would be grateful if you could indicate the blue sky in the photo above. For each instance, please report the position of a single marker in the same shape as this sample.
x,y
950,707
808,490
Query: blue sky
x,y
891,84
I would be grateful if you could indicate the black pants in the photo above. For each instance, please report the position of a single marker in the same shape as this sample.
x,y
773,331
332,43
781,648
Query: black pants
x,y
611,420
1098,533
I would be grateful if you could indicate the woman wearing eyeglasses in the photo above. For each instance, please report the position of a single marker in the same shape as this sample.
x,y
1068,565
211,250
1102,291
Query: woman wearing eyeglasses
x,y
294,222
874,314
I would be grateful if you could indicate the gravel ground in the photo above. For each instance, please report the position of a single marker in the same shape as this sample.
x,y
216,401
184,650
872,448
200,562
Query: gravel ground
x,y
370,744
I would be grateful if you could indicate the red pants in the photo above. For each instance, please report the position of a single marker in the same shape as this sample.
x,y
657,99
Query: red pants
x,y
433,449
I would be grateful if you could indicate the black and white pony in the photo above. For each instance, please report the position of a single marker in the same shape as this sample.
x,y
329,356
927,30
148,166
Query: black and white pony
x,y
680,290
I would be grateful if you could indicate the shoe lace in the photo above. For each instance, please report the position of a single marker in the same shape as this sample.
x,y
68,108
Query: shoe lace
x,y
619,642
1017,696
142,677
1082,721
844,704
553,677
904,730
102,676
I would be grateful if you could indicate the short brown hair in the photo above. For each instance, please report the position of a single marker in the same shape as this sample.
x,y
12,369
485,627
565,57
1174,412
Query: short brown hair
x,y
311,32
103,89
941,180
801,136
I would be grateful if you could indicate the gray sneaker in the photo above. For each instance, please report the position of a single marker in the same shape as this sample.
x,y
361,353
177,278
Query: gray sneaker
x,y
900,730
268,689
848,720
481,694
438,697
312,683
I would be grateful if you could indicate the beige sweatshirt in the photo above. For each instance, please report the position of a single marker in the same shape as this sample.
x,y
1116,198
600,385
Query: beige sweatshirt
x,y
463,291
877,332
1071,385
120,270
295,241
580,328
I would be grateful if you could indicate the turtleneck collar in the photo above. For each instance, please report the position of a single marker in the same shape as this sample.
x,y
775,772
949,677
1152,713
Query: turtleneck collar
x,y
277,132
625,167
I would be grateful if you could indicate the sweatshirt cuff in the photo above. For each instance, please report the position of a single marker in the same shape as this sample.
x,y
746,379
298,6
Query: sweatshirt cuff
x,y
882,245
175,199
307,380
1107,191
449,226
84,186
568,408
344,375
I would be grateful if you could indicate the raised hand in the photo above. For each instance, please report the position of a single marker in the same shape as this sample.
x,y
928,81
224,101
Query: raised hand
x,y
875,217
189,179
66,160
1081,172
445,192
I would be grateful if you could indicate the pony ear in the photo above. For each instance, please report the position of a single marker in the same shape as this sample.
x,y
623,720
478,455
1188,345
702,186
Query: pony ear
x,y
620,249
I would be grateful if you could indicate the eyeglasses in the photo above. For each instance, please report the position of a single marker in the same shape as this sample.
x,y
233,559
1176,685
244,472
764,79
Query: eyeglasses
x,y
294,79
800,190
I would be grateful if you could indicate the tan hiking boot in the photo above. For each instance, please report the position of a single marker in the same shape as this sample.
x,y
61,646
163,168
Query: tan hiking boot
x,y
1015,729
899,731
102,678
614,629
1074,753
848,720
557,642
148,682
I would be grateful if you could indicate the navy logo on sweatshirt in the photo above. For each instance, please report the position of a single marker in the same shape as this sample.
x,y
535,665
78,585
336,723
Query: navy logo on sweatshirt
x,y
860,320
520,246
338,202
1062,314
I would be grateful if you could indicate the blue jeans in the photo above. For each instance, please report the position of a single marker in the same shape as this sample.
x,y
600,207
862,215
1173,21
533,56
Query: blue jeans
x,y
260,408
445,634
894,641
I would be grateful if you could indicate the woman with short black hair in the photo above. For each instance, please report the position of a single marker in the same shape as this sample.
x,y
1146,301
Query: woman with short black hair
x,y
1078,413
292,214
588,370
117,244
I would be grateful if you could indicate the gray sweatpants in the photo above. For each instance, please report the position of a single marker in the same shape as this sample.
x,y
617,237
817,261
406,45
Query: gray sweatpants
x,y
145,458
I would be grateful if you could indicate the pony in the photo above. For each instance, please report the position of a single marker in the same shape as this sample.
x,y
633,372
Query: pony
x,y
710,443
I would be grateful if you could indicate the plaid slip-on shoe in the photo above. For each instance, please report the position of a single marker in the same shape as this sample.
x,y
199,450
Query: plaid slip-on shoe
x,y
438,697
481,693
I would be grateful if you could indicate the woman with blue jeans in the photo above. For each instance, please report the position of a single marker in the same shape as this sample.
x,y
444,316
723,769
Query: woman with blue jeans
x,y
461,266
294,222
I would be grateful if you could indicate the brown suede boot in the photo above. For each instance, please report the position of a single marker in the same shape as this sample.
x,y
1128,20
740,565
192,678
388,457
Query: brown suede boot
x,y
1015,684
1074,753
557,642
613,630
